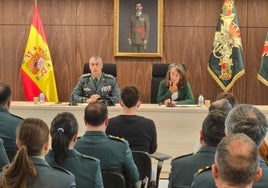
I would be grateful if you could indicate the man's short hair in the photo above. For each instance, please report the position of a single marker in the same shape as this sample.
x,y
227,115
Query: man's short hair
x,y
96,113
247,119
237,159
229,96
213,127
130,96
5,93
97,58
222,104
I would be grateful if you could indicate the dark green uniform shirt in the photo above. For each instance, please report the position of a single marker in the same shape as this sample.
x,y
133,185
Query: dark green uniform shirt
x,y
114,154
86,169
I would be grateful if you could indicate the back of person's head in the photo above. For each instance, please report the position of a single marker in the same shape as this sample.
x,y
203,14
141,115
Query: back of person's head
x,y
130,96
236,160
181,70
229,96
213,127
96,113
31,134
247,119
62,130
222,104
5,93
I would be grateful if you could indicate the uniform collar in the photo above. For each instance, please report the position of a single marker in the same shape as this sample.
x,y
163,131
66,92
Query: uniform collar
x,y
207,149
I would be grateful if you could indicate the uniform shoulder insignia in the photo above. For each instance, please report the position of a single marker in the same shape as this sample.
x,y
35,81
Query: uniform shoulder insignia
x,y
86,75
89,157
117,138
109,76
62,169
204,169
181,156
17,116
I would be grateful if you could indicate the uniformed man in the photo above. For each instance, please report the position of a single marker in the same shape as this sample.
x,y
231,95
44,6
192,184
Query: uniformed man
x,y
95,85
139,30
184,167
247,119
8,121
114,153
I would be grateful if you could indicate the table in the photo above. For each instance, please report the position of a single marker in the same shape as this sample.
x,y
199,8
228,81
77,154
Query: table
x,y
177,127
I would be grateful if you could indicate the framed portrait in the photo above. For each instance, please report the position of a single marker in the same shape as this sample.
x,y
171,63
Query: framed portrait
x,y
138,28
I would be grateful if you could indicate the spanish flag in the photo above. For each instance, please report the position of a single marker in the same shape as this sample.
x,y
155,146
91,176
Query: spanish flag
x,y
37,69
226,63
263,71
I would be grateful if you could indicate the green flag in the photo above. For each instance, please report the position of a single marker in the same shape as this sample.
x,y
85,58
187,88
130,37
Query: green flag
x,y
226,61
263,71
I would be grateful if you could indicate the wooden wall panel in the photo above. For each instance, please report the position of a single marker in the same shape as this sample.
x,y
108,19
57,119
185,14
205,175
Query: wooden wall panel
x,y
78,29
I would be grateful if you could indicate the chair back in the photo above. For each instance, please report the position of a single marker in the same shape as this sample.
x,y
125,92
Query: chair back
x,y
159,71
143,163
108,68
113,180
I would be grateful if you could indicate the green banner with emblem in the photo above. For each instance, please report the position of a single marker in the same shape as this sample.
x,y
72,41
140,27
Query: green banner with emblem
x,y
226,61
263,71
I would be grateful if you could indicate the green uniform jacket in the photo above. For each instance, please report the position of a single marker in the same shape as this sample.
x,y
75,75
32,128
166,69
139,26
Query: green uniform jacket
x,y
107,87
185,95
141,22
204,178
3,155
49,176
8,126
86,169
184,167
114,154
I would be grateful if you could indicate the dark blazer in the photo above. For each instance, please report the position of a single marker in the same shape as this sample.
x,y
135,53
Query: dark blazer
x,y
8,126
114,154
204,178
86,169
3,155
139,131
184,167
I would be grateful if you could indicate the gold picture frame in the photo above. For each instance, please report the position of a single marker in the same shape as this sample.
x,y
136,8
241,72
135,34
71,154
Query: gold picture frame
x,y
123,9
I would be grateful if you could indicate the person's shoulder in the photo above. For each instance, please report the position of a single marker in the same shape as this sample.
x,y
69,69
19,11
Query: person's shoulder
x,y
61,171
89,158
86,75
16,116
181,157
108,76
117,139
203,171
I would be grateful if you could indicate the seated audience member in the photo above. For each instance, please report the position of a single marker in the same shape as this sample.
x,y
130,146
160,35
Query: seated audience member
x,y
63,130
247,119
8,121
229,96
139,131
184,167
114,153
236,162
92,86
3,155
175,87
29,167
222,104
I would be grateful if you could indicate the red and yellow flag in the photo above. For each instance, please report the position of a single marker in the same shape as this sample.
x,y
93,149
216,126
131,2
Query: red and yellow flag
x,y
37,70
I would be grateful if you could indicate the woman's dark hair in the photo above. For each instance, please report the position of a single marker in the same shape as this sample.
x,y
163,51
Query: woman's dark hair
x,y
32,134
63,127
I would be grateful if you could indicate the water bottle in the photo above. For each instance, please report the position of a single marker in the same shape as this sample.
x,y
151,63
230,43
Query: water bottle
x,y
42,98
201,100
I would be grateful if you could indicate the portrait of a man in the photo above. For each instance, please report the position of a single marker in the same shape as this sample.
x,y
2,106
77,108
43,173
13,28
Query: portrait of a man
x,y
137,30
